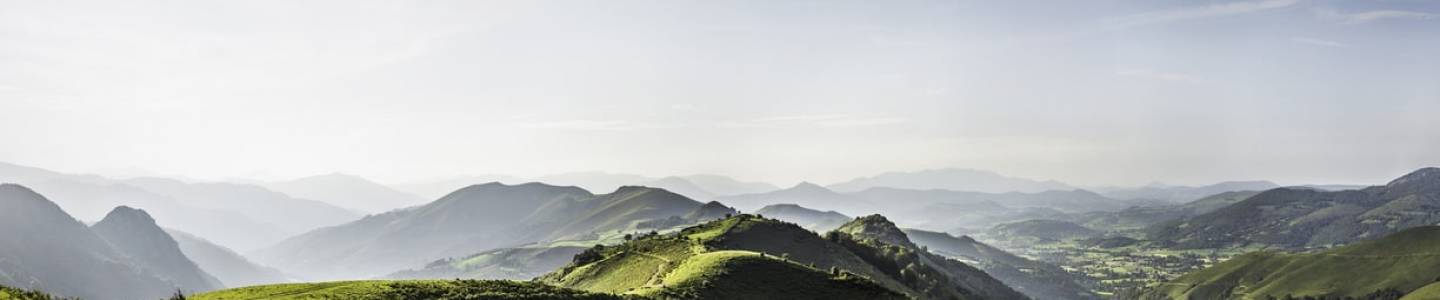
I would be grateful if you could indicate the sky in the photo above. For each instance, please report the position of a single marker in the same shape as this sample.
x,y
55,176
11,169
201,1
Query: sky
x,y
1086,92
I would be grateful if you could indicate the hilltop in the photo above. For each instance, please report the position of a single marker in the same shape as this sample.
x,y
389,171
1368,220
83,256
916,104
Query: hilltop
x,y
1398,264
733,256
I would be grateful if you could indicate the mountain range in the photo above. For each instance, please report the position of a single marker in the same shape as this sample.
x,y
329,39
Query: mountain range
x,y
1306,217
474,219
347,191
700,186
950,179
1180,194
124,256
941,210
237,216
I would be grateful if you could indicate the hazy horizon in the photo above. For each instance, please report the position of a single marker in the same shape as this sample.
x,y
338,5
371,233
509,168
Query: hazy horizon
x,y
1111,93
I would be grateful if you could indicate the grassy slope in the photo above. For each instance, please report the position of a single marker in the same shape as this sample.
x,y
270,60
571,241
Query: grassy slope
x,y
731,274
409,289
1431,291
1404,261
687,266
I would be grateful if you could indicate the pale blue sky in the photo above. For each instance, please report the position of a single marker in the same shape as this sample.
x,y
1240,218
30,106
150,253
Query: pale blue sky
x,y
1087,92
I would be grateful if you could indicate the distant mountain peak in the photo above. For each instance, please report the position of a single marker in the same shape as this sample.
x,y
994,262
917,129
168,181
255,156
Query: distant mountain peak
x,y
710,210
808,187
128,215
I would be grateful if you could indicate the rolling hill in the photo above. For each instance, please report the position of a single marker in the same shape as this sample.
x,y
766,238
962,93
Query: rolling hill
x,y
43,248
742,257
472,220
1398,264
1304,217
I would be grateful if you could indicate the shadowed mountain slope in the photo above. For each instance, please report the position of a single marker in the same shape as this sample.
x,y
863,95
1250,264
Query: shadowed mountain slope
x,y
134,234
468,221
231,268
1304,217
43,248
1036,279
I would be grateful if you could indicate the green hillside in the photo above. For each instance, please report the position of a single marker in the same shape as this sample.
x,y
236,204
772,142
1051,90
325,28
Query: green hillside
x,y
709,261
1402,262
404,290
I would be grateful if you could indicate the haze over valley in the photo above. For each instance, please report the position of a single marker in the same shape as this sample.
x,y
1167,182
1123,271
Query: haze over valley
x,y
778,149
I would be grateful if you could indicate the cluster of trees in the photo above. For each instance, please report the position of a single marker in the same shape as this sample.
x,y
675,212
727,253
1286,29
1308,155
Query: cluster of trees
x,y
1383,294
19,294
902,264
486,289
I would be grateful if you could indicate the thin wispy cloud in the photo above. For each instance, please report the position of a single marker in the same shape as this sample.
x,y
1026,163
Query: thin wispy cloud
x,y
1373,16
819,120
1151,74
1319,42
1198,12
586,125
